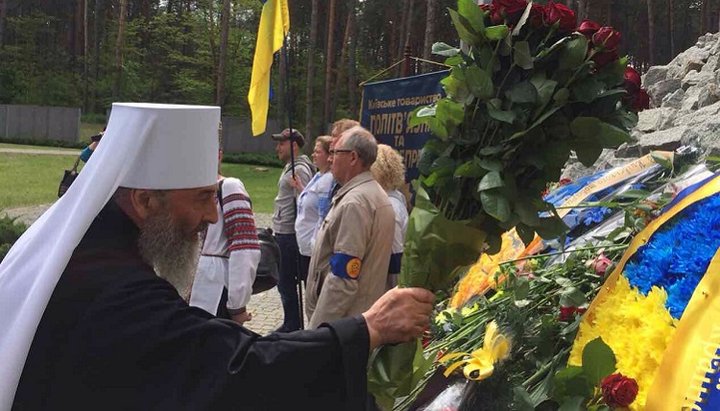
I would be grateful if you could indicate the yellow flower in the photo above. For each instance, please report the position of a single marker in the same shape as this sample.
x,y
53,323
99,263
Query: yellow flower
x,y
481,362
638,329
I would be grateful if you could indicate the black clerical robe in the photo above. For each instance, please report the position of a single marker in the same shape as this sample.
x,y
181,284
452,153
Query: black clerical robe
x,y
115,336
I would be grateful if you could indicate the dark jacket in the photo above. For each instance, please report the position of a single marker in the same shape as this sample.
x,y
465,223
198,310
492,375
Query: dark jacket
x,y
116,336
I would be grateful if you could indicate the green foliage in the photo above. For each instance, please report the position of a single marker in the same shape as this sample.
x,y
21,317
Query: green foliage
x,y
45,143
517,103
10,231
259,159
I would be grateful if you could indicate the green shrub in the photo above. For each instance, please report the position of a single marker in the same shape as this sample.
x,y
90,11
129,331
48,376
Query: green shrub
x,y
46,143
258,159
98,118
10,231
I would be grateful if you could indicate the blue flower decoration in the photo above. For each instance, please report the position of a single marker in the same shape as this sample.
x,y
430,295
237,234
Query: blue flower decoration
x,y
677,256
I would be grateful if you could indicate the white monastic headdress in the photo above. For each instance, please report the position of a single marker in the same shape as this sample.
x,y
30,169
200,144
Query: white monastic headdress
x,y
148,146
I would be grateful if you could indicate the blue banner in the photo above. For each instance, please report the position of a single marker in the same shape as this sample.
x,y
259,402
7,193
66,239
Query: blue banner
x,y
386,108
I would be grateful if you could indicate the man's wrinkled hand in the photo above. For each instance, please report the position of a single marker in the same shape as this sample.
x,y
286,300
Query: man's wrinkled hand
x,y
400,315
241,318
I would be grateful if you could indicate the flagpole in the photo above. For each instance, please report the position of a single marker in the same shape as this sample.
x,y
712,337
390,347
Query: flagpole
x,y
288,107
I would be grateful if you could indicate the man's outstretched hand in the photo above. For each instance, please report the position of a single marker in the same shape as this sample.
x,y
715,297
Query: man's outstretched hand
x,y
400,315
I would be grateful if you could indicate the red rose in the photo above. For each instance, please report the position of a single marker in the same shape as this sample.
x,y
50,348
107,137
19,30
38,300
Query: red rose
x,y
568,313
510,7
559,13
619,391
588,28
496,17
607,38
601,264
632,80
536,16
640,101
605,58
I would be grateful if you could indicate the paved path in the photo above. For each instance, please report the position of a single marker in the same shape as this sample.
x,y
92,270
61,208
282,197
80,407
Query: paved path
x,y
50,151
265,307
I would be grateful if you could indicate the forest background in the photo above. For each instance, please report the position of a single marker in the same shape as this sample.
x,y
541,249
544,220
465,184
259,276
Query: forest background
x,y
89,53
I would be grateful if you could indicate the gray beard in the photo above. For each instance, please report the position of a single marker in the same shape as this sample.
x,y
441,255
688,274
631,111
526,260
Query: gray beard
x,y
173,255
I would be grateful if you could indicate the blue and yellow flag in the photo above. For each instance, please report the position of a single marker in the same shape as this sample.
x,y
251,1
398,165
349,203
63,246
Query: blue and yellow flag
x,y
274,25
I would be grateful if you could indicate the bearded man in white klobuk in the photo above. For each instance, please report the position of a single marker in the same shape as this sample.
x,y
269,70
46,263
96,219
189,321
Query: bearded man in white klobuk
x,y
92,314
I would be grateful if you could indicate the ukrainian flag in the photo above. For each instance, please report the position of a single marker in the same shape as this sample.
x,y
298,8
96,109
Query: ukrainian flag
x,y
274,25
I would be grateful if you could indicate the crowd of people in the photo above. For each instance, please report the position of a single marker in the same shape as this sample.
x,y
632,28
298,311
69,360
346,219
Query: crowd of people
x,y
94,296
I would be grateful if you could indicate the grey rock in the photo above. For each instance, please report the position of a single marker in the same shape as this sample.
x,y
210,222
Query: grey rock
x,y
694,118
575,169
709,94
664,140
628,150
663,88
674,99
654,74
690,101
655,119
693,78
712,64
705,135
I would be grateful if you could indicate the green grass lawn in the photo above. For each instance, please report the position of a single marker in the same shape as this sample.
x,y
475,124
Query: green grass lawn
x,y
27,179
20,146
261,185
89,129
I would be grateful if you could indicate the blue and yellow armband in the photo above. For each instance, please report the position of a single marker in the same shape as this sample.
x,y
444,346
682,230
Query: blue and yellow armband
x,y
345,266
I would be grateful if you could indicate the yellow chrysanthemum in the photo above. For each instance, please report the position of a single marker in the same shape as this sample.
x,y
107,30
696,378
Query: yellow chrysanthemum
x,y
638,329
480,364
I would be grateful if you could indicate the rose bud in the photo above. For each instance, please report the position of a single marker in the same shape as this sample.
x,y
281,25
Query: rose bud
x,y
641,101
618,391
603,59
567,313
536,16
588,28
632,80
559,13
510,7
607,38
601,264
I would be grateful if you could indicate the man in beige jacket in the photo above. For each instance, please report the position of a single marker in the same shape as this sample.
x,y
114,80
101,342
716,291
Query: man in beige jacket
x,y
348,267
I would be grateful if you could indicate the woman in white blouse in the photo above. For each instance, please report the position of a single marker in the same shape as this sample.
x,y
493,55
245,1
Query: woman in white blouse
x,y
389,171
313,202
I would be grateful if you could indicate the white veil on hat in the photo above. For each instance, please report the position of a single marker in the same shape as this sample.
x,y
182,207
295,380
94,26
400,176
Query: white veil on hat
x,y
148,146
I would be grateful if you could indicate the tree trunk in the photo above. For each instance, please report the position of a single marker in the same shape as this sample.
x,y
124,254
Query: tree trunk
x,y
609,14
77,29
224,29
430,7
352,48
86,57
211,36
703,17
329,60
3,13
651,32
402,34
671,27
284,85
310,69
582,6
98,34
119,50
339,72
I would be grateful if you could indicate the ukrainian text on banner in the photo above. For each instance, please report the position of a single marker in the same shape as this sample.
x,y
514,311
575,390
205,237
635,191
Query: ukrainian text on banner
x,y
386,108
